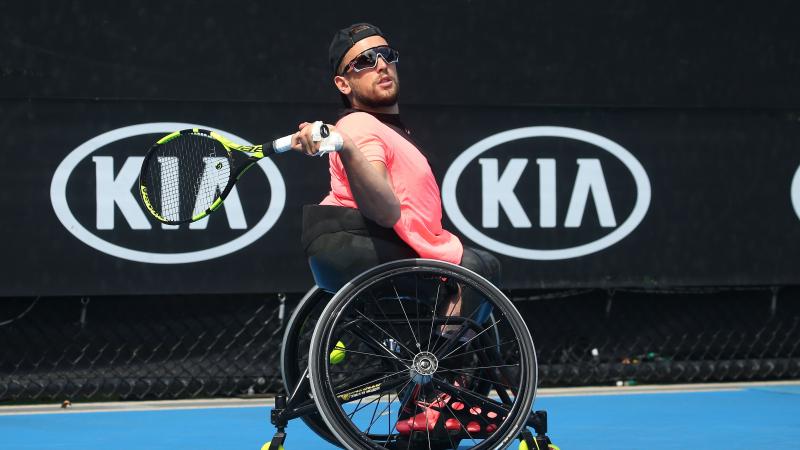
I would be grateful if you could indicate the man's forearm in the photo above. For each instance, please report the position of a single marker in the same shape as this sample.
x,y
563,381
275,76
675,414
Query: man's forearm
x,y
371,187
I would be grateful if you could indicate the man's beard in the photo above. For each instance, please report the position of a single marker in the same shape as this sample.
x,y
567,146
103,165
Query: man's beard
x,y
377,102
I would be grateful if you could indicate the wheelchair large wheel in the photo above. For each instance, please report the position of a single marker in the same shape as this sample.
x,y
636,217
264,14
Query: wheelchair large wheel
x,y
294,350
418,361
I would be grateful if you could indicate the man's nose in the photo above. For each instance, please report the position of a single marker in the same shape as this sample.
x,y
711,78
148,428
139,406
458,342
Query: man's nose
x,y
381,63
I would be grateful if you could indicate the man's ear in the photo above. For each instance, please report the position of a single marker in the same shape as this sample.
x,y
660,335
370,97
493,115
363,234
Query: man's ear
x,y
342,84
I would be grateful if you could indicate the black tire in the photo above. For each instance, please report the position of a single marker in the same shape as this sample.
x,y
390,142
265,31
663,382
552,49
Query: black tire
x,y
294,350
405,289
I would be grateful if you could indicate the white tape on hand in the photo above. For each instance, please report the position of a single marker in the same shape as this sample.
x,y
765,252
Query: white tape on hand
x,y
332,143
317,131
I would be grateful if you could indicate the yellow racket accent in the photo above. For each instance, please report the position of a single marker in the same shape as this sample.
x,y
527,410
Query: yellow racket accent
x,y
169,137
254,151
148,205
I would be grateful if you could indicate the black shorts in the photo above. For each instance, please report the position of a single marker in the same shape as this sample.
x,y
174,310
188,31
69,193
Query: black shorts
x,y
340,244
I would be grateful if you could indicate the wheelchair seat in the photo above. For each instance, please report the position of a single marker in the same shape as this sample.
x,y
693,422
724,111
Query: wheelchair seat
x,y
340,243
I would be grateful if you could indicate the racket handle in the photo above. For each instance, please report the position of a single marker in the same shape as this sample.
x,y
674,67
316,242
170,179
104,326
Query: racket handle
x,y
283,144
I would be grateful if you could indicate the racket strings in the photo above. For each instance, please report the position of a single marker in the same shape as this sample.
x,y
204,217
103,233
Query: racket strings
x,y
186,175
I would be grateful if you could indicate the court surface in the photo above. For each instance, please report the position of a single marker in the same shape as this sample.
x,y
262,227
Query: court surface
x,y
725,416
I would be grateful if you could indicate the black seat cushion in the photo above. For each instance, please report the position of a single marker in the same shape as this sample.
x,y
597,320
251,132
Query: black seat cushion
x,y
340,244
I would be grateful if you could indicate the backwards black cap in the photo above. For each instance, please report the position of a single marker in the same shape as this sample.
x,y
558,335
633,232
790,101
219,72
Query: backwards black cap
x,y
346,38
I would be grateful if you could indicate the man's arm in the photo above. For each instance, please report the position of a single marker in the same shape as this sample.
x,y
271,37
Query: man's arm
x,y
369,181
372,189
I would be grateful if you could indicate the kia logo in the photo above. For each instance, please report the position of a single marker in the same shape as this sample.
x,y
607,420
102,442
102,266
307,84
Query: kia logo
x,y
796,192
518,194
111,209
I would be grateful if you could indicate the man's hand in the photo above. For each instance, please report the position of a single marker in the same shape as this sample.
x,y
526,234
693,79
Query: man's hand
x,y
303,141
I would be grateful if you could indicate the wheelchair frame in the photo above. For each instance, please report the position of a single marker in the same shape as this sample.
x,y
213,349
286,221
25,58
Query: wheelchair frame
x,y
300,402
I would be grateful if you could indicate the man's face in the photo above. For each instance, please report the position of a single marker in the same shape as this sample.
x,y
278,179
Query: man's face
x,y
371,87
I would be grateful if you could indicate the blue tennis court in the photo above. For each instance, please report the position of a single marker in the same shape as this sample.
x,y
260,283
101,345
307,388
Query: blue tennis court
x,y
763,416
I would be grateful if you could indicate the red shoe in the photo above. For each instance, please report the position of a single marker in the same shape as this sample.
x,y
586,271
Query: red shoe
x,y
457,419
427,419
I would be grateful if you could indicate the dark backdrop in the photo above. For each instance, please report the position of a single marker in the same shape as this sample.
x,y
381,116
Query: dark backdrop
x,y
703,94
531,53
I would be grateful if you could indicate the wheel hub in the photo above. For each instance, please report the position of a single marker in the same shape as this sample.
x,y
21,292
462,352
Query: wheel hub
x,y
423,367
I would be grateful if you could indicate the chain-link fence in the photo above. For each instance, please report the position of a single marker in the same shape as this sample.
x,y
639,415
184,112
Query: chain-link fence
x,y
678,336
205,346
140,347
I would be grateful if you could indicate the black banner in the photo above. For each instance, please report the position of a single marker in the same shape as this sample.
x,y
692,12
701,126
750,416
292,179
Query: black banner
x,y
566,197
670,160
458,52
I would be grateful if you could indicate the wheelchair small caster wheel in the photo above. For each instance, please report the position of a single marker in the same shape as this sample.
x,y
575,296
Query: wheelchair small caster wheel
x,y
524,446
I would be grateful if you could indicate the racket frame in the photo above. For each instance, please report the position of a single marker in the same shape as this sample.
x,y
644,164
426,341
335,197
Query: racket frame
x,y
254,153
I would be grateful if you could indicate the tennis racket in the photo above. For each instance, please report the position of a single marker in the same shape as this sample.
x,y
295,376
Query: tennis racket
x,y
187,174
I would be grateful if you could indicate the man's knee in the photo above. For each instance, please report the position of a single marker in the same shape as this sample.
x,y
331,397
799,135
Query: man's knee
x,y
483,263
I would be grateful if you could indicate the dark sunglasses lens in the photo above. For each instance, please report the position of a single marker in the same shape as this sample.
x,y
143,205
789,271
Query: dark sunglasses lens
x,y
389,54
365,60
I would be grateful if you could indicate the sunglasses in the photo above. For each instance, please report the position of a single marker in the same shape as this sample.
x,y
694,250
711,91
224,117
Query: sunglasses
x,y
368,59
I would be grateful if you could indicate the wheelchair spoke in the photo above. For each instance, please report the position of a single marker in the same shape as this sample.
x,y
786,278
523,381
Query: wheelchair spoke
x,y
494,324
468,407
496,366
402,360
416,408
499,344
444,327
343,370
345,390
359,407
433,319
448,388
459,423
419,346
457,334
464,372
416,296
389,322
450,438
373,419
387,407
389,422
427,429
387,334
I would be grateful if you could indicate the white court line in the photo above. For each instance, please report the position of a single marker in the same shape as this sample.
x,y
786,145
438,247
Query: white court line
x,y
167,405
160,405
660,389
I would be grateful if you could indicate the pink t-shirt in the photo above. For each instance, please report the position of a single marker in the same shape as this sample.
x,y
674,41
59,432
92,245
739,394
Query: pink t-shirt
x,y
420,224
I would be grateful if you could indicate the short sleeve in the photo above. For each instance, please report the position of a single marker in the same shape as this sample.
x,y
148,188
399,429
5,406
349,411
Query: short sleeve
x,y
364,130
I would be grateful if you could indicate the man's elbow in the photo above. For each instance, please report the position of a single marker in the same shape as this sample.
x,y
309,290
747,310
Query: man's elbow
x,y
389,216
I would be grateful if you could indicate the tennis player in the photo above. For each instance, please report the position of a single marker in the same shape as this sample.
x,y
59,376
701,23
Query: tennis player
x,y
380,180
384,203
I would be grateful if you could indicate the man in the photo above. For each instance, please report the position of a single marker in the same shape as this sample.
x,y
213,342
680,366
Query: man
x,y
380,171
384,203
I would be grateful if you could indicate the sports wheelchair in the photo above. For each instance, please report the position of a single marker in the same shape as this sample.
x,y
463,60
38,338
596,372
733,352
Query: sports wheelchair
x,y
390,362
